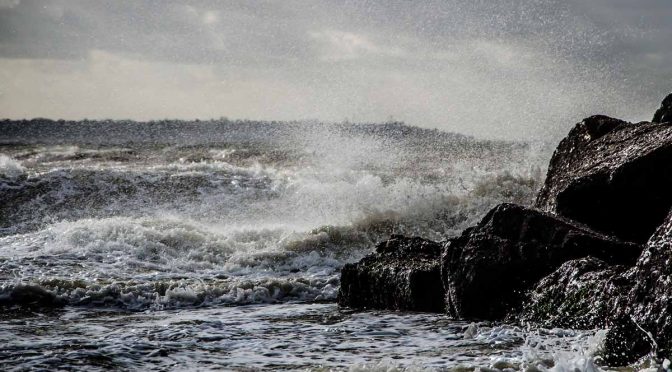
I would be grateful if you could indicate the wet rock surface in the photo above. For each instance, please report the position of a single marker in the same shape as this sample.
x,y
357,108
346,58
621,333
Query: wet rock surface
x,y
664,113
650,300
595,251
403,274
582,294
625,342
488,269
612,176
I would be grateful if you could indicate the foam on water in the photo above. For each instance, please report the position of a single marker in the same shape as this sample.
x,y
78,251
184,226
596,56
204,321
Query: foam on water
x,y
129,255
141,263
204,249
315,337
10,167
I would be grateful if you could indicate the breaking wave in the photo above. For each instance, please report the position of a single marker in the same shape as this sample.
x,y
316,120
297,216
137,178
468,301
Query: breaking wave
x,y
9,167
174,231
175,225
168,261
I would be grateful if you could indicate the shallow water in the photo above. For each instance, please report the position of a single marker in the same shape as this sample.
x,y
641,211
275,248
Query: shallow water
x,y
281,336
218,245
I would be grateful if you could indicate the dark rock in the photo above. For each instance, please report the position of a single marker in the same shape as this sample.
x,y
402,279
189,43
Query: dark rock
x,y
573,261
664,113
488,269
587,294
401,246
651,297
613,176
625,343
634,303
403,274
581,294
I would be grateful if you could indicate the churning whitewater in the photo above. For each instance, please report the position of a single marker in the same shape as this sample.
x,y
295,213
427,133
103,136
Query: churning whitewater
x,y
220,243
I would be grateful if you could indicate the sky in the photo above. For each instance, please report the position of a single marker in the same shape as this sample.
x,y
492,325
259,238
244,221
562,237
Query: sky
x,y
506,69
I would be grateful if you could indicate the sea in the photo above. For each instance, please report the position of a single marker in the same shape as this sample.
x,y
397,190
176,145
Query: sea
x,y
217,245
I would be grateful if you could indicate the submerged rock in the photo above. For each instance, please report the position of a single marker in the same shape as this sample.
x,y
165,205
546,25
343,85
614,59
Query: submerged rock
x,y
613,176
664,113
403,274
488,269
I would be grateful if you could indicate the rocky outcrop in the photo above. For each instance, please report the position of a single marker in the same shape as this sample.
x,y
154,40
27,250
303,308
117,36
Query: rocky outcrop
x,y
580,294
594,252
403,274
664,113
590,294
625,342
488,269
612,176
650,300
634,303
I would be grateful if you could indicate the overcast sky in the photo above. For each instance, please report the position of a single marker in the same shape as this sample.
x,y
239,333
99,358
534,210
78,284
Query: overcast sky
x,y
505,69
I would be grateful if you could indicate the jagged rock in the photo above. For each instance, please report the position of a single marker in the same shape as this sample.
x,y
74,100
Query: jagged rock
x,y
580,294
403,274
488,269
613,176
664,113
651,297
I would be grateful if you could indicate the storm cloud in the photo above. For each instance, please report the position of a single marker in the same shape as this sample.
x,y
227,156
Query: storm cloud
x,y
505,69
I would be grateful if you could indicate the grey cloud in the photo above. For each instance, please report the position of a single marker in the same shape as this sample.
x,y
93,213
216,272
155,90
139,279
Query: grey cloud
x,y
172,30
496,68
163,30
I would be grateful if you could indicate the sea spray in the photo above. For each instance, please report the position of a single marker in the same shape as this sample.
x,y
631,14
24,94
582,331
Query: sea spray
x,y
10,167
173,228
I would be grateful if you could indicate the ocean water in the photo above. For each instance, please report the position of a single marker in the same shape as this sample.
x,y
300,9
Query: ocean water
x,y
218,245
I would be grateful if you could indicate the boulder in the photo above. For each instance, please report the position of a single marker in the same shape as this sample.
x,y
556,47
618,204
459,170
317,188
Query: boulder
x,y
625,343
613,176
590,294
664,113
595,251
403,274
634,303
488,269
580,294
650,300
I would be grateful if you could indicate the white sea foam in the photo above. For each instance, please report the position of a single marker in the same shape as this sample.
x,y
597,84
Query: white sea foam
x,y
260,246
10,167
530,349
180,228
181,233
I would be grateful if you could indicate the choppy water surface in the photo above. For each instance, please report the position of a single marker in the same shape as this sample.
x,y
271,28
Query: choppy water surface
x,y
282,336
219,244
